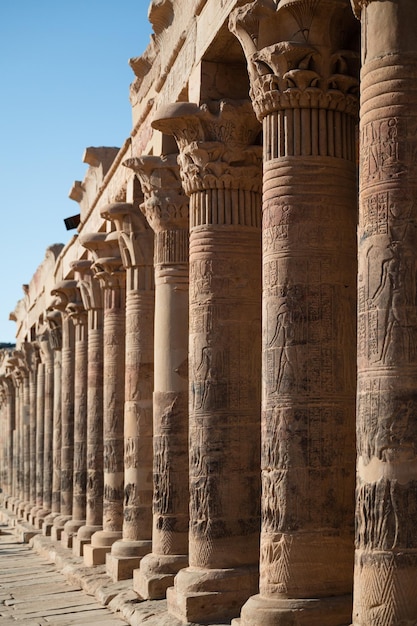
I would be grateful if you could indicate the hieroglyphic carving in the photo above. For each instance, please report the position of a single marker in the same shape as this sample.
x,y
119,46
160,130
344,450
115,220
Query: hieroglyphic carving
x,y
135,241
108,269
304,88
388,297
65,293
385,569
220,171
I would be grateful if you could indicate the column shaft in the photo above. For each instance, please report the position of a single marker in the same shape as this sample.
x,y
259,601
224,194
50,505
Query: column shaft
x,y
222,176
308,310
136,248
386,537
40,432
92,380
109,271
165,207
67,419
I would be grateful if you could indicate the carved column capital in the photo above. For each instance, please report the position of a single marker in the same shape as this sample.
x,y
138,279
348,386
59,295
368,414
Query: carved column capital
x,y
216,144
55,328
89,287
133,233
165,205
107,265
45,345
65,292
298,55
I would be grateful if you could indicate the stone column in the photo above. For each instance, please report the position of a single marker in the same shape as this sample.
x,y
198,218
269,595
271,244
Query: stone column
x,y
385,581
220,170
78,315
109,271
9,415
47,357
32,358
65,292
166,209
136,247
19,375
40,434
91,295
302,63
16,377
55,338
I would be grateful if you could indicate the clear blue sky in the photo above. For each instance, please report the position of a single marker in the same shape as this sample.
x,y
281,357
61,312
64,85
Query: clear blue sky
x,y
64,86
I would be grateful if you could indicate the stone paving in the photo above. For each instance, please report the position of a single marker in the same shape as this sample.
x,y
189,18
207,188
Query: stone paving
x,y
34,593
42,583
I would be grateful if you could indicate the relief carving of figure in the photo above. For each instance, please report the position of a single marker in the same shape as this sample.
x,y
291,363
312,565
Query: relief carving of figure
x,y
286,338
397,291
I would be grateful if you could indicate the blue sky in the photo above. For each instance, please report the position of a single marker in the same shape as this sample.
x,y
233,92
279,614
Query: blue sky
x,y
64,86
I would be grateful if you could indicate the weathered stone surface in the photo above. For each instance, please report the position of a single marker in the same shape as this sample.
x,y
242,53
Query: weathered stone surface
x,y
386,538
220,172
109,271
307,105
228,342
136,249
166,209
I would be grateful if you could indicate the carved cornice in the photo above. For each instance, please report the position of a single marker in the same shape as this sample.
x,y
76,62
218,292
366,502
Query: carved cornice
x,y
165,204
160,15
296,55
216,144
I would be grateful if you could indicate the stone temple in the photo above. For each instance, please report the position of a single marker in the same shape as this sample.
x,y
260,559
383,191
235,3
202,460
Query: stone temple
x,y
214,385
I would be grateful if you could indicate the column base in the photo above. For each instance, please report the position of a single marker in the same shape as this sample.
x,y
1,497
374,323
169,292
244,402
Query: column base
x,y
101,543
82,538
156,573
333,611
70,530
25,531
33,513
27,510
48,522
16,503
40,518
206,595
21,508
58,526
125,557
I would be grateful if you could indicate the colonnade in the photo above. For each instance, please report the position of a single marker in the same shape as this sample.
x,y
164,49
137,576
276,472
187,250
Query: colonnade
x,y
184,409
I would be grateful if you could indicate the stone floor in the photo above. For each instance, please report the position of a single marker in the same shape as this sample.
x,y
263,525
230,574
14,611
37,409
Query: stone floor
x,y
42,583
33,593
